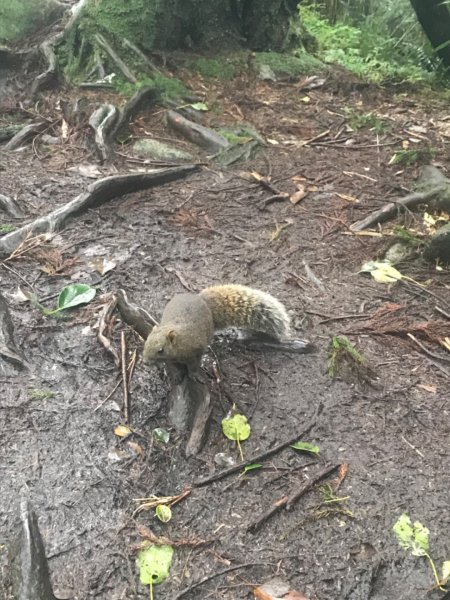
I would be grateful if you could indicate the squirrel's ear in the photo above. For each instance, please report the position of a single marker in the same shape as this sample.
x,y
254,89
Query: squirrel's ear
x,y
171,335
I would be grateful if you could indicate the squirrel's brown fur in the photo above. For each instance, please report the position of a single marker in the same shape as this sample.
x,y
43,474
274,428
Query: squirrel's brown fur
x,y
189,321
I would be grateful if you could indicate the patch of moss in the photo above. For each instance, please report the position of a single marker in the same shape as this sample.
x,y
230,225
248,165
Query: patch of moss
x,y
287,64
134,19
212,68
240,134
170,87
410,157
6,228
370,120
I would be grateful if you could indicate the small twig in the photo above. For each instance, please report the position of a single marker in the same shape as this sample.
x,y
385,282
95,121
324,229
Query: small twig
x,y
194,586
426,351
107,397
262,455
288,501
342,318
309,484
440,310
422,288
313,278
123,363
412,447
316,137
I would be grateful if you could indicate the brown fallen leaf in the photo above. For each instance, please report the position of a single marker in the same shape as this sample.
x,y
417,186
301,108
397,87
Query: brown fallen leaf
x,y
299,195
277,589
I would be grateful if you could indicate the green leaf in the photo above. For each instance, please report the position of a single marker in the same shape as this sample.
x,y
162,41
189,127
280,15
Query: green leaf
x,y
163,512
252,467
75,294
236,428
306,447
154,564
199,106
161,435
413,537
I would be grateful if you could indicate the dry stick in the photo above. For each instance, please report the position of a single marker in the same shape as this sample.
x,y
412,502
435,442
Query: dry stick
x,y
309,484
288,501
316,137
425,349
422,288
261,455
123,362
214,575
107,397
446,314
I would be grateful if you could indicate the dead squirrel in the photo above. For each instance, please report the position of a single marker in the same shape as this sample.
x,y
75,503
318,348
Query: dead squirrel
x,y
189,322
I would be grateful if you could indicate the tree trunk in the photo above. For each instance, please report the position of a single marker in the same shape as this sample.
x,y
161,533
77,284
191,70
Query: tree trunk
x,y
177,24
434,16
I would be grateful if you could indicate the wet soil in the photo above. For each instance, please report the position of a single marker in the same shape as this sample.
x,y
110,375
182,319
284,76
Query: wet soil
x,y
58,442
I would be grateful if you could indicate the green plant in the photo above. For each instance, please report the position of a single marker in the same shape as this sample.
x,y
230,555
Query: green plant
x,y
414,537
341,347
410,157
370,120
36,394
368,48
236,428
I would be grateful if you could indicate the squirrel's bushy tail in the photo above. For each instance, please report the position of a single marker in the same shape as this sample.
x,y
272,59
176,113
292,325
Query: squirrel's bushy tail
x,y
242,306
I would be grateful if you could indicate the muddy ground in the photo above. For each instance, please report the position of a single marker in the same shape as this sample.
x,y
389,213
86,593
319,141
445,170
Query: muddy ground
x,y
58,443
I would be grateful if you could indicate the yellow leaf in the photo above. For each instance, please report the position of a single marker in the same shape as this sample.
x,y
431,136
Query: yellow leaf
x,y
122,430
446,343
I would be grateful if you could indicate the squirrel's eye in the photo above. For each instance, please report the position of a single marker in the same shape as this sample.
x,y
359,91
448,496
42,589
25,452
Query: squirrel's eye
x,y
160,350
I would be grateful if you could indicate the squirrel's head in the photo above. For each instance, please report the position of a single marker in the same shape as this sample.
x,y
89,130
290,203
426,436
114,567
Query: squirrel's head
x,y
160,345
176,346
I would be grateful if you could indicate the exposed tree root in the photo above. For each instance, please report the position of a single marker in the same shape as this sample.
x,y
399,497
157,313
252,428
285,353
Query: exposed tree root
x,y
98,193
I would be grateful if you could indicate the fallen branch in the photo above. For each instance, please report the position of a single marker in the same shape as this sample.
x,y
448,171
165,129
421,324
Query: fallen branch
x,y
262,455
98,193
288,501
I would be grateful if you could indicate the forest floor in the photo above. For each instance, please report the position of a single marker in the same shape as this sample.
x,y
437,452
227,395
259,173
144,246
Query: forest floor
x,y
58,432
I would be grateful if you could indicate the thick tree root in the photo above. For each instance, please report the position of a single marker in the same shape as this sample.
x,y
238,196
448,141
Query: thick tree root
x,y
25,134
10,206
98,193
433,189
197,134
30,573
